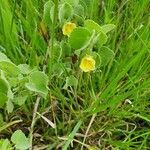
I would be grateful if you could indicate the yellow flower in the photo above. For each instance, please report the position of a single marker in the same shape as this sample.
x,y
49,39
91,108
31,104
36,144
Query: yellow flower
x,y
87,63
68,28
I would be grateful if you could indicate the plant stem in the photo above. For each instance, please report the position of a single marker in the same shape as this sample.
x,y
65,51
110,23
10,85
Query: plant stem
x,y
88,128
33,120
9,124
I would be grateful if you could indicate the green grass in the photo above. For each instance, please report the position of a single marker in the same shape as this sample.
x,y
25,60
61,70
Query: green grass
x,y
109,109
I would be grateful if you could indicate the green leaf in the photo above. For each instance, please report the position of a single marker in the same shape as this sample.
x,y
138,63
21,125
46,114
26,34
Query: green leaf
x,y
79,38
66,49
3,57
7,66
79,19
38,82
106,55
79,10
5,144
8,29
9,106
71,81
3,99
20,140
52,13
3,92
9,92
46,16
107,28
91,25
72,134
24,68
97,59
57,69
20,100
102,39
1,120
3,86
71,2
57,51
65,12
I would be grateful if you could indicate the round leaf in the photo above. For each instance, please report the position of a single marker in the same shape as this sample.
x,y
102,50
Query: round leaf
x,y
106,55
71,81
91,25
79,10
9,68
24,68
79,38
38,82
20,140
65,12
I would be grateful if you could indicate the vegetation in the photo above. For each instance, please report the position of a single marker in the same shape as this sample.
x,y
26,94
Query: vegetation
x,y
74,74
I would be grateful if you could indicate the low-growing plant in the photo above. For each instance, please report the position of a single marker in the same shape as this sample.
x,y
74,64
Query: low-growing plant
x,y
52,61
